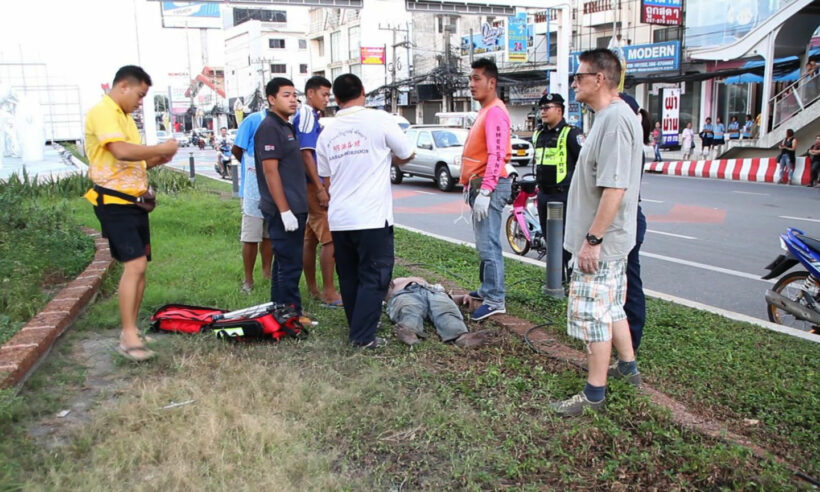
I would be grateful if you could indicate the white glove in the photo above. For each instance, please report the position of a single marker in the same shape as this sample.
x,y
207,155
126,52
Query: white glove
x,y
289,220
481,207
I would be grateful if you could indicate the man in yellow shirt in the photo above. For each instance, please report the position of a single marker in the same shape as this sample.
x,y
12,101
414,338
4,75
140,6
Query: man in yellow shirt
x,y
118,164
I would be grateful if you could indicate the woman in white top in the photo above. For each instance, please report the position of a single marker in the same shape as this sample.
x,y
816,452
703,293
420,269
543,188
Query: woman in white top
x,y
687,141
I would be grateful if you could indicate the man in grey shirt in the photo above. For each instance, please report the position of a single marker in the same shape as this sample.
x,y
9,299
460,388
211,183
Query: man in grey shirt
x,y
601,223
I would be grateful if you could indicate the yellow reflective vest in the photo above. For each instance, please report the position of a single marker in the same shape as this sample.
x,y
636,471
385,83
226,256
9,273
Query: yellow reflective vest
x,y
554,156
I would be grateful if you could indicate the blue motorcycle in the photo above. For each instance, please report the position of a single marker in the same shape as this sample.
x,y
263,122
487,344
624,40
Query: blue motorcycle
x,y
223,160
795,298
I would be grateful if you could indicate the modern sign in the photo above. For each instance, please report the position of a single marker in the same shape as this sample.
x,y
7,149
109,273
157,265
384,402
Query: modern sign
x,y
517,34
196,15
656,57
490,39
671,117
665,12
372,56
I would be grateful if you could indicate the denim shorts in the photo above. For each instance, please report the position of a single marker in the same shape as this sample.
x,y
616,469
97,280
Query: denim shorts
x,y
596,301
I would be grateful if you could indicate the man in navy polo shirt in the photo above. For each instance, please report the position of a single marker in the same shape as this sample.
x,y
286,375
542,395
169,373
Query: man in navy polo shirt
x,y
282,190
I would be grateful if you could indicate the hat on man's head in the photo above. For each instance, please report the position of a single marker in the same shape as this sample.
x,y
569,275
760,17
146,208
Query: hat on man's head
x,y
633,104
551,99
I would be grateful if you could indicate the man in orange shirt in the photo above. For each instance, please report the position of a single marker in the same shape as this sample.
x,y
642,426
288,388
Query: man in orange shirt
x,y
117,166
486,153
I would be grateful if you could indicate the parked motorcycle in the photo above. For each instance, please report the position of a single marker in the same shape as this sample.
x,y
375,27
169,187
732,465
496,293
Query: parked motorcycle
x,y
523,227
223,160
795,298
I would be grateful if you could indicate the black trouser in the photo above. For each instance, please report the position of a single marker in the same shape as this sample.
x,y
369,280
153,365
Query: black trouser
x,y
287,260
815,170
554,195
635,306
364,263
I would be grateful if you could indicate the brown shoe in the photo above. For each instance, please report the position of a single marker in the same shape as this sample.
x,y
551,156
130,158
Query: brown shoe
x,y
406,335
475,339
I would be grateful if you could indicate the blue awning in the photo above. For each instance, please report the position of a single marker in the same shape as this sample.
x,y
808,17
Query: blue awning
x,y
750,78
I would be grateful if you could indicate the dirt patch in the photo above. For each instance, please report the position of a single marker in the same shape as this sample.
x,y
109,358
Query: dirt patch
x,y
94,352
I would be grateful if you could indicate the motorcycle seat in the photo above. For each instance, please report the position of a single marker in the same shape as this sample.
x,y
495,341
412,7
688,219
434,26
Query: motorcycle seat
x,y
810,242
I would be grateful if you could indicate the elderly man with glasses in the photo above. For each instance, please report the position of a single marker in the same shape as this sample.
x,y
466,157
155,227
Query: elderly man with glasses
x,y
601,226
557,146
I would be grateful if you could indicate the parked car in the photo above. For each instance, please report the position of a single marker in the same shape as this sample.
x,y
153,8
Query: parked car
x,y
522,151
438,155
182,139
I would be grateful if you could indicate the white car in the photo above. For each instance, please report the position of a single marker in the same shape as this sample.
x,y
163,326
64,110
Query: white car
x,y
522,151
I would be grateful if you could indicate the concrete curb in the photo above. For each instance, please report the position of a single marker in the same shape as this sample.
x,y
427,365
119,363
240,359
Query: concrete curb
x,y
762,170
21,355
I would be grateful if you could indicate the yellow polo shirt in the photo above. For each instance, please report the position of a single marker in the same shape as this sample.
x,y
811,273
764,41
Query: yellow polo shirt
x,y
105,123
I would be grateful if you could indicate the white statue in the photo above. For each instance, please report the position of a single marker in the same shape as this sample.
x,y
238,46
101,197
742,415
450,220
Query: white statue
x,y
8,103
28,122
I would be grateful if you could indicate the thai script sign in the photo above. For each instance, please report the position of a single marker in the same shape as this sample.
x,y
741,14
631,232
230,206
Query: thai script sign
x,y
670,126
372,56
665,12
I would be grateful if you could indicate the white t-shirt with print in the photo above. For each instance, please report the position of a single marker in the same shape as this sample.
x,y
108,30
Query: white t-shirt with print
x,y
355,152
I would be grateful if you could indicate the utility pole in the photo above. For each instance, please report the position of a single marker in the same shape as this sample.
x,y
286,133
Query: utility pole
x,y
393,89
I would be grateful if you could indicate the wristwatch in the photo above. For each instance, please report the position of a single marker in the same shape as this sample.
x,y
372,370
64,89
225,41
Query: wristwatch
x,y
594,240
484,192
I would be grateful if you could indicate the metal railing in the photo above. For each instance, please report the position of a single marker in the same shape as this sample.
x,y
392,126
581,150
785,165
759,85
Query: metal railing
x,y
795,98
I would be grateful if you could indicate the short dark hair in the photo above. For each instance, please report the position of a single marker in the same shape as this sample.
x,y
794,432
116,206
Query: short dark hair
x,y
604,61
272,89
347,87
789,132
132,73
223,128
315,82
646,124
489,67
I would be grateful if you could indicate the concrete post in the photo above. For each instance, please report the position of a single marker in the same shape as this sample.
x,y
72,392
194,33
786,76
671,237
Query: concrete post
x,y
235,181
192,169
555,249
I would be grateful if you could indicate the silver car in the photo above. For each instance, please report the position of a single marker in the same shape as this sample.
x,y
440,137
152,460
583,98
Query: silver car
x,y
438,155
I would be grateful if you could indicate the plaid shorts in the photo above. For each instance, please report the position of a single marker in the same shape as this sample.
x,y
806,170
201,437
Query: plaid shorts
x,y
596,301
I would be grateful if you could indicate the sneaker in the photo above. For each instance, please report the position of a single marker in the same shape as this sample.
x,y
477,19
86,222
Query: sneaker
x,y
474,295
615,373
377,343
484,311
575,406
406,335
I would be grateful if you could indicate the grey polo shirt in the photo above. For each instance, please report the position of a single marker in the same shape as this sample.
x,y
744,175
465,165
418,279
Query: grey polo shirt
x,y
276,139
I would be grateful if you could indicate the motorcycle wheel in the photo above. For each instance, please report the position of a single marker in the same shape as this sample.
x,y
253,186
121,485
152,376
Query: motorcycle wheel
x,y
792,286
515,236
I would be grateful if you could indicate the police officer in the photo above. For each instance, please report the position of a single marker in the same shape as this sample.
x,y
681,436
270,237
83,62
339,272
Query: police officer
x,y
557,146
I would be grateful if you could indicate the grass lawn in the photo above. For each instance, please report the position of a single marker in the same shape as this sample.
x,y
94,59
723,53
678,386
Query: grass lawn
x,y
317,414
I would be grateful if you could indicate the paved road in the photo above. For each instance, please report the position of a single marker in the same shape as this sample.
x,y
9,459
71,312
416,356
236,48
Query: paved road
x,y
708,240
204,160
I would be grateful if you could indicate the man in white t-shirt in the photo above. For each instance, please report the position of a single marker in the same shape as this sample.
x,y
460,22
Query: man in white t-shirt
x,y
354,156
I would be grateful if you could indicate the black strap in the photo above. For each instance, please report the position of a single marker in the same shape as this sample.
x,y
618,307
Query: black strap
x,y
118,194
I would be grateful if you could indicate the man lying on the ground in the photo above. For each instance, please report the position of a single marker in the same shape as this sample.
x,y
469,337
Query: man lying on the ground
x,y
411,299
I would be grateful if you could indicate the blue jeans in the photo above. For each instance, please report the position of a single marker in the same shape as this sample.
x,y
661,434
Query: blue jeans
x,y
786,167
412,304
287,260
488,243
657,148
635,306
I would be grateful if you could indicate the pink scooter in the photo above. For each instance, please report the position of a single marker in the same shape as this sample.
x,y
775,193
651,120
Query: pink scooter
x,y
523,227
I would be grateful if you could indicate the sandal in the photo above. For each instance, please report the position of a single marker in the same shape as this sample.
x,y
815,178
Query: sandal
x,y
128,353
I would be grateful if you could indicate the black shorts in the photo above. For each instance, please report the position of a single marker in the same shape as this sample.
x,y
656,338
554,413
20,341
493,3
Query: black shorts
x,y
127,230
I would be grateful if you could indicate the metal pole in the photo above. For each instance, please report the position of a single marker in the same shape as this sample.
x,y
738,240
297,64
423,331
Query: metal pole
x,y
555,249
235,181
192,169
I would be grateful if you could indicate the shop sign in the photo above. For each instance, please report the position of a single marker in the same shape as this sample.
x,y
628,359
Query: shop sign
x,y
517,34
490,39
664,12
371,56
670,125
655,57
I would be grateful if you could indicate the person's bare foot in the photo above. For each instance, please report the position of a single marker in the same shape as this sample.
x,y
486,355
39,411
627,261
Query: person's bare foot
x,y
314,293
332,298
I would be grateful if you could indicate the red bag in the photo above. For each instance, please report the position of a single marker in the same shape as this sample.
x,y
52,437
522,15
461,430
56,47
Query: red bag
x,y
257,322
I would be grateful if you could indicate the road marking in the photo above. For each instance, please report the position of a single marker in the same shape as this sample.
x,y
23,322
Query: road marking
x,y
425,192
670,234
750,193
704,266
647,200
798,218
651,293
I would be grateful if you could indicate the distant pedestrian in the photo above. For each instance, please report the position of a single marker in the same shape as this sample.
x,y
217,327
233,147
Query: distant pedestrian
x,y
719,139
601,229
687,138
253,233
486,153
814,153
117,167
786,159
706,137
747,126
733,129
657,135
354,156
283,191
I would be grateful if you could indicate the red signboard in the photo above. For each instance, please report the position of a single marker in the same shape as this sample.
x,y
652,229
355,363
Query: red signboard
x,y
372,56
664,12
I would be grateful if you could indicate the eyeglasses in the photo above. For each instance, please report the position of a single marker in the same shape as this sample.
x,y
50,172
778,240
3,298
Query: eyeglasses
x,y
547,107
580,75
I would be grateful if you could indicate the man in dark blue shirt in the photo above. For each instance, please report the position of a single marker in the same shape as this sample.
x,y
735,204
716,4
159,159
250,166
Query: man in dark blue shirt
x,y
282,190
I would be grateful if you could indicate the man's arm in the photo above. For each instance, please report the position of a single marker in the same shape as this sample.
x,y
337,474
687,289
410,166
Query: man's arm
x,y
313,175
237,152
125,151
398,143
274,181
497,136
400,162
